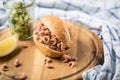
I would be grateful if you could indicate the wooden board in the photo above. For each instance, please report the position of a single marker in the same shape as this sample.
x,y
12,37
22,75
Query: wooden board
x,y
88,49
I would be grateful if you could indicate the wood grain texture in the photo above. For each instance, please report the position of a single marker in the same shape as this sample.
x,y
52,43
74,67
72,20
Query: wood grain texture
x,y
88,49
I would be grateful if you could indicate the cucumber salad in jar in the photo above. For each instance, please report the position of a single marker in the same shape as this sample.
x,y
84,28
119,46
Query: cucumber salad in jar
x,y
19,20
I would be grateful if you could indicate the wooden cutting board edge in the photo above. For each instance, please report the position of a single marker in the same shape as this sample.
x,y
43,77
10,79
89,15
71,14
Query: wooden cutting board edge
x,y
98,57
96,40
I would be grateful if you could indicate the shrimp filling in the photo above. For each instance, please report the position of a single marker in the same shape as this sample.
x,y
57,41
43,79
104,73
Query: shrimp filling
x,y
44,35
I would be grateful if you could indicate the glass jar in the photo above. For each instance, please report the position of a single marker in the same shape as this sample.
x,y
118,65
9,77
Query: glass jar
x,y
19,18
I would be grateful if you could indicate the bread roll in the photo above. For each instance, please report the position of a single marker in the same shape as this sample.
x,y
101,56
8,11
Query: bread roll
x,y
54,36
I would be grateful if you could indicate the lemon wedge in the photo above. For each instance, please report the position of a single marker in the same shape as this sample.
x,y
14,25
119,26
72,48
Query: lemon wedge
x,y
8,45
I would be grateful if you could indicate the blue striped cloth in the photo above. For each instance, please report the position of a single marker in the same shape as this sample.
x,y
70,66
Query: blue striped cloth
x,y
102,17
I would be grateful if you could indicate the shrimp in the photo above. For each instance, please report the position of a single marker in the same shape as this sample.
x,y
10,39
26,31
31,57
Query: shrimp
x,y
46,39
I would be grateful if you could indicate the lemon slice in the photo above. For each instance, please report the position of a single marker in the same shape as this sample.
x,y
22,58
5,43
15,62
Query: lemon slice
x,y
8,45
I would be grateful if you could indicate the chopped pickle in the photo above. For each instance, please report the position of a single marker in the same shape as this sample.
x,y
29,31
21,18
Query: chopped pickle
x,y
19,20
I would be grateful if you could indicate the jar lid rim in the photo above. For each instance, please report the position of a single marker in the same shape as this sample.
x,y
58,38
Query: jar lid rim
x,y
8,7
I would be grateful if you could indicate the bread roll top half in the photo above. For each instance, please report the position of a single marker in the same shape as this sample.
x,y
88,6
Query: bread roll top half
x,y
57,27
